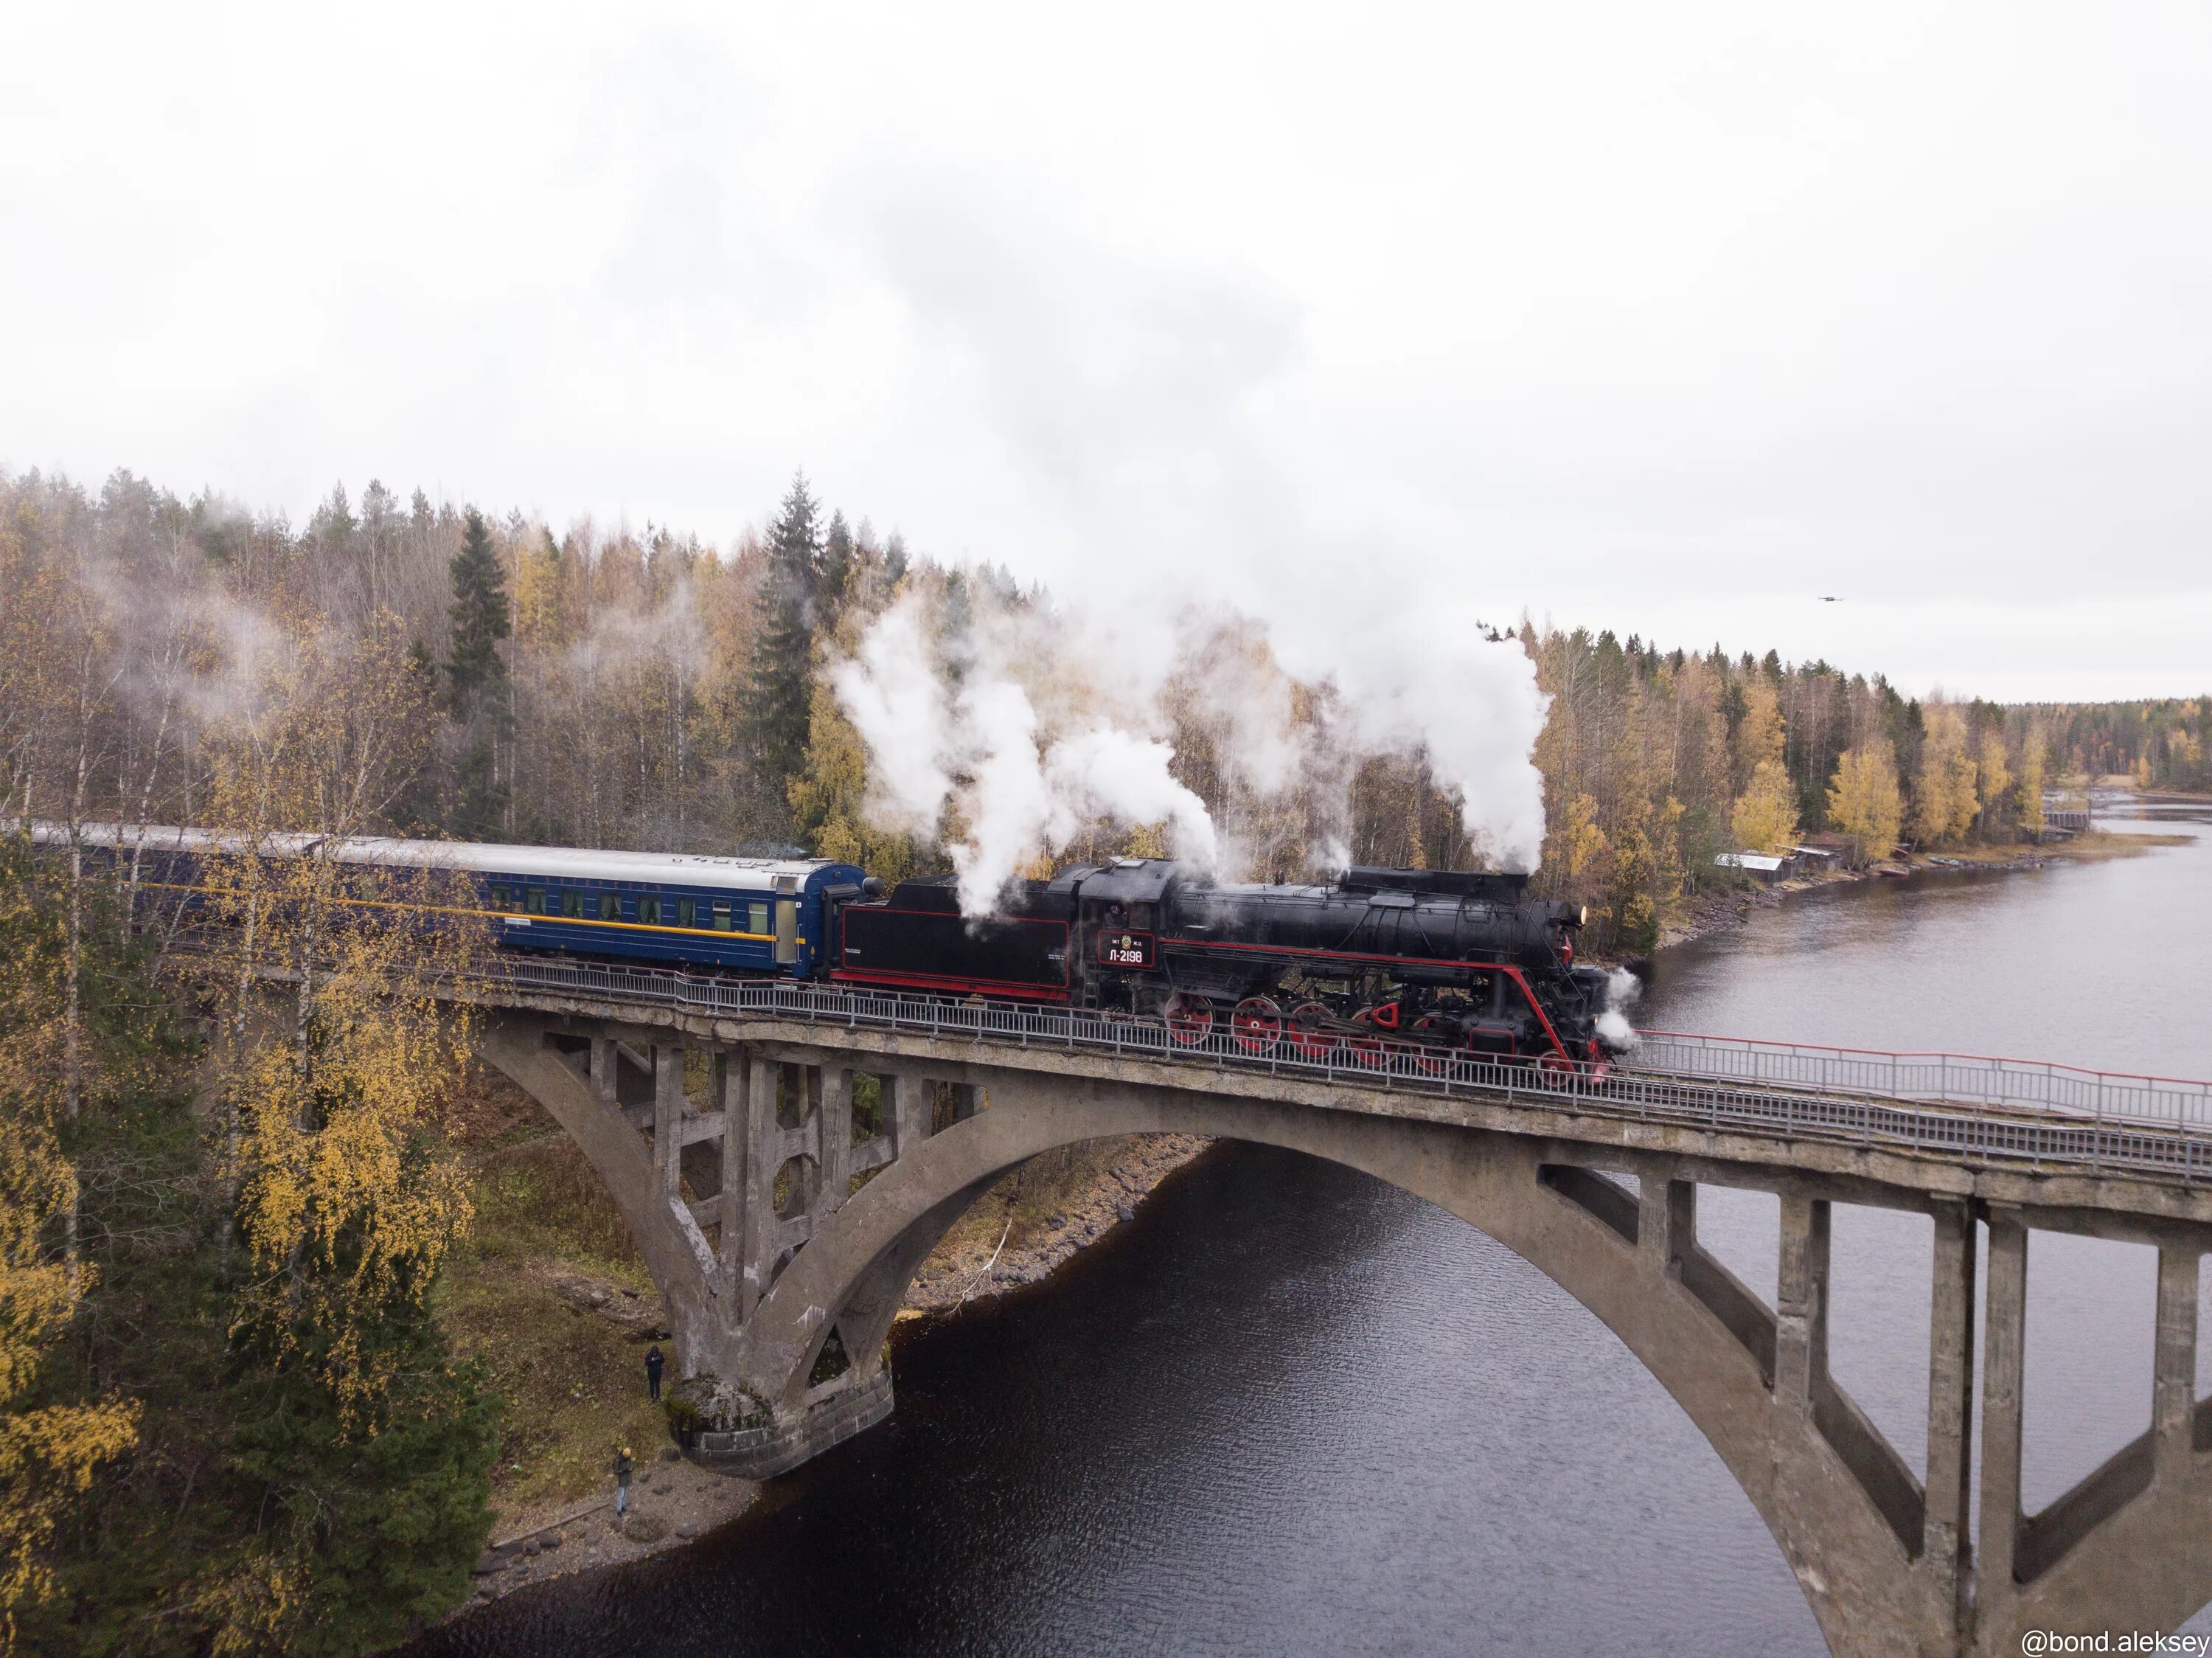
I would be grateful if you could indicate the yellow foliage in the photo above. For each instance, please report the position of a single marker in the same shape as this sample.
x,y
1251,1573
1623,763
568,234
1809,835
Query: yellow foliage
x,y
1945,801
828,797
1758,740
1582,844
250,1605
48,1454
1863,801
2033,763
1997,776
347,1199
1765,819
543,613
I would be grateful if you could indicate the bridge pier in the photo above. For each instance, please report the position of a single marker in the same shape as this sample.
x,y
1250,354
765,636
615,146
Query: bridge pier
x,y
784,1181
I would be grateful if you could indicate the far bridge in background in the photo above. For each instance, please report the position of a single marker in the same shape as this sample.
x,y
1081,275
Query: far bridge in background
x,y
782,1224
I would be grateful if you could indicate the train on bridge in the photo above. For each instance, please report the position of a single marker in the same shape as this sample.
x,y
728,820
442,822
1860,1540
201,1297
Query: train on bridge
x,y
1448,960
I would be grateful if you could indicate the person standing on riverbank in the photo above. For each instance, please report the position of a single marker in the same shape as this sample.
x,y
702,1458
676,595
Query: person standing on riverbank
x,y
622,1482
653,1360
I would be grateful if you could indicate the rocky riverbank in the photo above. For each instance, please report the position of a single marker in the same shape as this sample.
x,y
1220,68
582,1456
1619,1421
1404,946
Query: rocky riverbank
x,y
1039,1214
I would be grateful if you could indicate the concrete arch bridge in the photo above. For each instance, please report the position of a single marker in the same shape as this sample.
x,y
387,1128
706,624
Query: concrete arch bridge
x,y
782,1225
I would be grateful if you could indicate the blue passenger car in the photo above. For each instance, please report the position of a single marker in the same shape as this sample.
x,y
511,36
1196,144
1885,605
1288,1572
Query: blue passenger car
x,y
750,915
770,916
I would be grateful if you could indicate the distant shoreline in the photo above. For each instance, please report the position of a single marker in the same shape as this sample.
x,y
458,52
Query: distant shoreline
x,y
1714,913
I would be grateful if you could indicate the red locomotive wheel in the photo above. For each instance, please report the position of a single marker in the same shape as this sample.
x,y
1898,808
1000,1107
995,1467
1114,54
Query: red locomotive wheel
x,y
1257,1024
1309,1034
1430,1053
1367,1050
1556,1070
1190,1019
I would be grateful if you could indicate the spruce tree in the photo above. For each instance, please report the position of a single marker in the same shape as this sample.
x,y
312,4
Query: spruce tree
x,y
480,619
475,676
783,651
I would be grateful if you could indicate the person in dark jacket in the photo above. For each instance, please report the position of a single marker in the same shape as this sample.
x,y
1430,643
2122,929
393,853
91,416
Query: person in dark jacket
x,y
622,1482
653,1363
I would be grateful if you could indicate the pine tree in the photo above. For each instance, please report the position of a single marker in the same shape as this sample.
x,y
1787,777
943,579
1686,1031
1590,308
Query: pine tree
x,y
783,649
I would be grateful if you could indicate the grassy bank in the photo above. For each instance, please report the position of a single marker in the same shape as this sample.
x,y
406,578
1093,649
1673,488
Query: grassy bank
x,y
550,1292
521,1294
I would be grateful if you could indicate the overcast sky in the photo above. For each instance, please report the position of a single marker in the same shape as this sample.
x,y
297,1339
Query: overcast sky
x,y
1669,320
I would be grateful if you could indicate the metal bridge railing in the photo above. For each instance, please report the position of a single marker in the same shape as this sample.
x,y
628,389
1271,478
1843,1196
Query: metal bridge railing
x,y
1977,1079
2044,1115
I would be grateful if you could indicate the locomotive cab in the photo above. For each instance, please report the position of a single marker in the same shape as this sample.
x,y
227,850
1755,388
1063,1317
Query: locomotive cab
x,y
1121,910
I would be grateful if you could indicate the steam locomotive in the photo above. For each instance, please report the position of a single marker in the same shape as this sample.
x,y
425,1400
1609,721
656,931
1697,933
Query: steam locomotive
x,y
1452,960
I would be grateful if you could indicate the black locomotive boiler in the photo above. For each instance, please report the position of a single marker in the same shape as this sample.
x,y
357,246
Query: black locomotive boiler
x,y
1451,959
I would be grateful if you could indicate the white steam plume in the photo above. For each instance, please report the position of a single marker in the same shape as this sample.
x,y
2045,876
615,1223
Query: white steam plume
x,y
891,694
1471,704
1622,988
1022,784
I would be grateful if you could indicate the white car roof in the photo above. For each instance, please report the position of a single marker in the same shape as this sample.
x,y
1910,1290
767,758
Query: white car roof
x,y
544,862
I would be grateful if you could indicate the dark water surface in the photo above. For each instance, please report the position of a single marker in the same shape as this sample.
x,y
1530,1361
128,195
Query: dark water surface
x,y
1289,1409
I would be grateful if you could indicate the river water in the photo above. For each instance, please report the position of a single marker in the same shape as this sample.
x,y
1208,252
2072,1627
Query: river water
x,y
1290,1409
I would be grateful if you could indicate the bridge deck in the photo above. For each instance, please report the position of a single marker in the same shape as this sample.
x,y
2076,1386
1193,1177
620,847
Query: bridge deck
x,y
2040,1116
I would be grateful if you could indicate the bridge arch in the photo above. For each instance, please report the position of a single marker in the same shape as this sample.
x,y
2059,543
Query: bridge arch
x,y
755,1286
1863,1582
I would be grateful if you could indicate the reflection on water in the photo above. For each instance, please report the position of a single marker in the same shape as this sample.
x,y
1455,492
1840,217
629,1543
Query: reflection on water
x,y
1290,1409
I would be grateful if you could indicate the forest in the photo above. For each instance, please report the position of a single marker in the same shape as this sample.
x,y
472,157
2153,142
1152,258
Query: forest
x,y
229,1419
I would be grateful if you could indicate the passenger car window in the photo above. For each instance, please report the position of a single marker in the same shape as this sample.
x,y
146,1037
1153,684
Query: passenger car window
x,y
722,922
572,902
648,910
757,917
499,899
684,910
535,903
611,906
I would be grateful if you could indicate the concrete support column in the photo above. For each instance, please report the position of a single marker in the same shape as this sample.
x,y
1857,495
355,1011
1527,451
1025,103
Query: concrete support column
x,y
836,1158
1654,1220
732,1096
2004,1344
909,1111
1801,1314
2173,1374
760,1223
1950,1409
603,1072
1665,1221
668,1118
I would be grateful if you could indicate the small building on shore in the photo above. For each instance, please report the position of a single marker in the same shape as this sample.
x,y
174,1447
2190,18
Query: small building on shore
x,y
1766,867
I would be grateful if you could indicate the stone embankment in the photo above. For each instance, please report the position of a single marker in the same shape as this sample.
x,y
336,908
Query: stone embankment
x,y
671,1502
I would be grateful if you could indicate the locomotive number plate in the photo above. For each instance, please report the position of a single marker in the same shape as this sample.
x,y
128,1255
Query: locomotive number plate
x,y
1126,949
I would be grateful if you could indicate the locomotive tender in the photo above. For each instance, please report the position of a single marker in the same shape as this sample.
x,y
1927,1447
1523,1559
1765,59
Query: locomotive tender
x,y
1451,960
